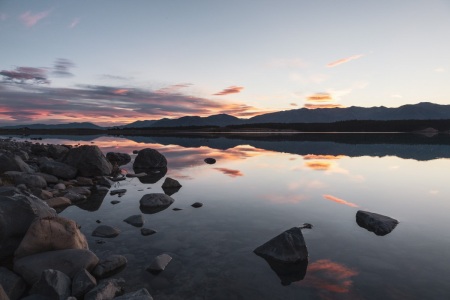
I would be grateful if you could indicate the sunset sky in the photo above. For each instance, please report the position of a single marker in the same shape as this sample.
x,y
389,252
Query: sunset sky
x,y
115,62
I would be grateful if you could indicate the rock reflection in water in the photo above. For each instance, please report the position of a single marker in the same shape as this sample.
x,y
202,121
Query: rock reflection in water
x,y
288,272
153,174
94,202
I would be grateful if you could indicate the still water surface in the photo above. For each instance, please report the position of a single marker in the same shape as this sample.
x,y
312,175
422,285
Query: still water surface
x,y
261,187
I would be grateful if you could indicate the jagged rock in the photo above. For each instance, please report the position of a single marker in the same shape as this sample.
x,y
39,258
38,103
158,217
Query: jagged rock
x,y
58,202
171,183
58,169
13,284
11,162
109,266
147,231
135,220
30,180
106,289
141,294
118,158
13,225
51,233
210,161
106,231
53,284
159,263
288,247
378,224
197,204
88,160
82,283
153,203
50,179
149,158
68,261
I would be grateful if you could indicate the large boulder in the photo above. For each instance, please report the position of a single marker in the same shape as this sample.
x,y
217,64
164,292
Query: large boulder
x,y
58,169
68,261
14,225
156,202
378,224
118,158
11,162
149,158
57,151
12,283
51,233
287,247
30,180
53,284
89,161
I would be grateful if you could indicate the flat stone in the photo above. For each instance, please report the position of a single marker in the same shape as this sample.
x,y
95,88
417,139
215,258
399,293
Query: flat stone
x,y
106,231
82,283
147,231
109,266
116,192
376,223
115,202
131,175
58,202
135,220
159,263
152,203
141,294
197,204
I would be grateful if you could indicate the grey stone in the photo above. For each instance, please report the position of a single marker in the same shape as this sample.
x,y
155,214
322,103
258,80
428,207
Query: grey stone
x,y
171,183
88,160
13,284
197,204
115,202
109,266
105,231
159,263
58,202
155,202
149,158
74,197
376,223
11,162
82,283
106,289
9,191
141,294
57,151
85,181
118,158
50,179
53,284
116,192
68,261
30,180
58,169
60,186
103,181
135,220
85,191
147,231
287,247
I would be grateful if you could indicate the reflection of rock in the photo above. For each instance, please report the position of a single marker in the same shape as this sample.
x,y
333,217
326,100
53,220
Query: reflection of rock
x,y
94,201
156,202
210,161
378,224
171,191
119,158
290,272
153,174
288,247
170,186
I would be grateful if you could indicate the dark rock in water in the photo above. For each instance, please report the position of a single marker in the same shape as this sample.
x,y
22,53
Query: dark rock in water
x,y
118,158
82,283
116,192
103,181
135,151
115,202
105,231
197,204
116,179
153,175
136,220
11,162
288,272
170,191
68,261
378,224
149,158
306,226
141,294
177,209
132,175
159,263
89,161
106,289
109,266
288,247
147,231
98,221
13,285
58,169
53,284
171,183
210,161
153,203
30,180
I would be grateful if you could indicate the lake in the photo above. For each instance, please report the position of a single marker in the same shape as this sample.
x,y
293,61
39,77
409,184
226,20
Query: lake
x,y
263,185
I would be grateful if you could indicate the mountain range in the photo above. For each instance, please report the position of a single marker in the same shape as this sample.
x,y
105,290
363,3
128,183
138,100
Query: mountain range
x,y
420,111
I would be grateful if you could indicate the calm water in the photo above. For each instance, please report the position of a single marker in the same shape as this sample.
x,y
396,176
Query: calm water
x,y
260,187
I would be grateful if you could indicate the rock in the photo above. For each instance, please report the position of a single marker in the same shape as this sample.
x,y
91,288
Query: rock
x,y
85,181
51,233
159,263
197,204
141,294
80,190
11,162
136,220
176,209
105,231
13,225
30,180
68,261
147,231
58,169
149,158
53,284
58,202
13,284
290,272
378,224
50,179
153,203
57,151
171,183
3,295
9,191
106,289
288,247
153,174
74,197
88,160
118,158
60,186
210,161
115,202
103,181
82,283
109,266
131,175
42,194
135,151
116,192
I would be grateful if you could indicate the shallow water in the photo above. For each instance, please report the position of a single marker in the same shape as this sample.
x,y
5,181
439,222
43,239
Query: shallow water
x,y
261,187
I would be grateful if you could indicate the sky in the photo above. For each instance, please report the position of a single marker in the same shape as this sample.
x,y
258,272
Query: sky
x,y
115,62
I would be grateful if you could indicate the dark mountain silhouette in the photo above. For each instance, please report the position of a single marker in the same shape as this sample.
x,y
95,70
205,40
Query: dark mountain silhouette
x,y
75,125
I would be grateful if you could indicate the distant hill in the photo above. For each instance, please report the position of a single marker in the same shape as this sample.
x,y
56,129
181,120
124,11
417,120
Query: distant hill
x,y
75,125
214,120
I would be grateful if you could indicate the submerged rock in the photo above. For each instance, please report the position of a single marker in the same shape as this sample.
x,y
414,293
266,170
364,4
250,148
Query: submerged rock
x,y
106,231
147,231
153,203
109,266
159,263
135,220
106,289
288,247
378,224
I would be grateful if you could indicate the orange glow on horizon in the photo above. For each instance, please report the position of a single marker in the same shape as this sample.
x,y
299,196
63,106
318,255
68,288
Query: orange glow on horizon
x,y
330,157
318,165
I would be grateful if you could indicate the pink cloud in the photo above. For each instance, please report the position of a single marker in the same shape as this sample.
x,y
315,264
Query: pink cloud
x,y
230,172
74,23
339,200
230,90
29,19
344,60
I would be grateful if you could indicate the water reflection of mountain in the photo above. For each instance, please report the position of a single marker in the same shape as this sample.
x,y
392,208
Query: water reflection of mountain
x,y
408,146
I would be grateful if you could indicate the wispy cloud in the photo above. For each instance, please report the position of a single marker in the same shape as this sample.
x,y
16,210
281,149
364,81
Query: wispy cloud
x,y
396,96
230,172
319,106
318,165
339,200
320,97
293,104
230,90
62,67
26,75
30,19
115,77
344,60
173,89
74,23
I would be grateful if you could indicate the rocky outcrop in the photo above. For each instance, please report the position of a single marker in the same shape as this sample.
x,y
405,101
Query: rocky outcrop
x,y
53,284
109,266
88,160
378,224
149,158
117,158
153,203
